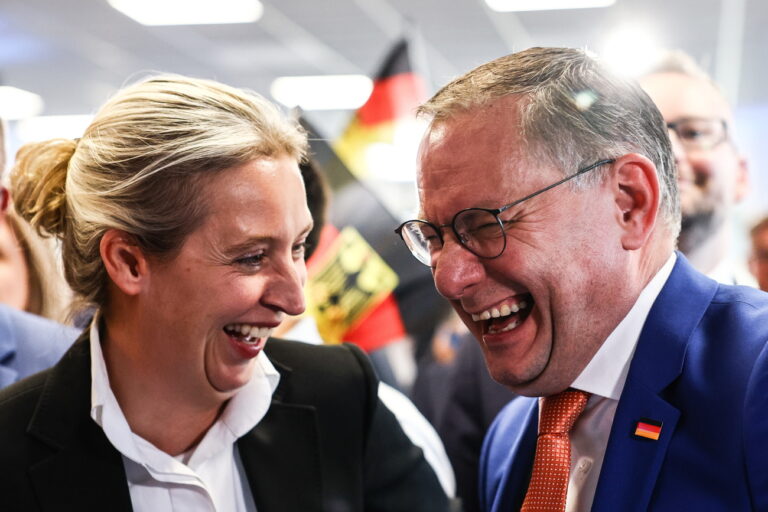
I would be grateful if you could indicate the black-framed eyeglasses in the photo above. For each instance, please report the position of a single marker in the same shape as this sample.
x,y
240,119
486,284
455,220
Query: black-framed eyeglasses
x,y
480,230
699,133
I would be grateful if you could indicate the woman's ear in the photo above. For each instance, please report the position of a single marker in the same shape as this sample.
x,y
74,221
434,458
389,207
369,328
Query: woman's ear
x,y
124,260
637,197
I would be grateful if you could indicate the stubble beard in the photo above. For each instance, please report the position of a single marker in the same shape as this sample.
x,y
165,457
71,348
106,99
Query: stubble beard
x,y
697,228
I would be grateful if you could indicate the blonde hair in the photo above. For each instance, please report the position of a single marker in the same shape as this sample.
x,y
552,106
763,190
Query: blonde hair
x,y
140,168
47,293
573,113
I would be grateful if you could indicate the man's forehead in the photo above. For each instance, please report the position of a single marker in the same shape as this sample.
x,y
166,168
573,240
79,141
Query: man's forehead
x,y
477,160
678,95
475,133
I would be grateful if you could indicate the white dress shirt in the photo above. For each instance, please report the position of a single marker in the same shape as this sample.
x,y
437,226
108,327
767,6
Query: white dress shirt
x,y
210,476
604,378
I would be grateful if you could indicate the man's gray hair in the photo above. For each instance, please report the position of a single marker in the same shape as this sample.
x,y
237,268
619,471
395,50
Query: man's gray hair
x,y
573,113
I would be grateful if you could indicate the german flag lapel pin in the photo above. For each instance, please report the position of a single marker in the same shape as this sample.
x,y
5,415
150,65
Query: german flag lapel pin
x,y
649,429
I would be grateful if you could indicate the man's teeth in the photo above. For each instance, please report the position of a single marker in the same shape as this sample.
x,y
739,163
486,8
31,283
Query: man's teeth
x,y
504,310
249,332
505,329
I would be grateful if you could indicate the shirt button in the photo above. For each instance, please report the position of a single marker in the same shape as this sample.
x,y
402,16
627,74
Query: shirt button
x,y
584,465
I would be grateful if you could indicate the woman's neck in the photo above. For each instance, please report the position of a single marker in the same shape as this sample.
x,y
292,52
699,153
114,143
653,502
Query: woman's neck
x,y
157,410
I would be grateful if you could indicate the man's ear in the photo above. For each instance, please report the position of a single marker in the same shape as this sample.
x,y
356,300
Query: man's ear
x,y
124,260
635,185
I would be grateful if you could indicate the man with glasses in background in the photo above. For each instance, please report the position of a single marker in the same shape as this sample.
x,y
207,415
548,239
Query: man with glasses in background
x,y
712,174
548,214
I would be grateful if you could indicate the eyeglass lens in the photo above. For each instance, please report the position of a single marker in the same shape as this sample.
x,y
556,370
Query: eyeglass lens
x,y
422,239
478,230
699,134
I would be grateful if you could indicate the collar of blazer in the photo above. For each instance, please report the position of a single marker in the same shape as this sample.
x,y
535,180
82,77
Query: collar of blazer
x,y
632,464
83,471
281,455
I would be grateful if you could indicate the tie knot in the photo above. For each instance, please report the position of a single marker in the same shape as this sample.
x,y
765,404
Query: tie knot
x,y
559,412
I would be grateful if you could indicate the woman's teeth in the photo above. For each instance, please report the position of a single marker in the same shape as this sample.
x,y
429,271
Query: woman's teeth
x,y
248,333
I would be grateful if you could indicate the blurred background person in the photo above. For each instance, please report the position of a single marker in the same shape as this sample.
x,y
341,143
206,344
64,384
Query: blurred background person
x,y
30,279
28,343
183,220
758,261
304,328
712,173
473,399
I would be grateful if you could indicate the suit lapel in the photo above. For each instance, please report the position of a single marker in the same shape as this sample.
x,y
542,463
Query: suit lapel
x,y
88,477
632,463
84,471
521,454
281,455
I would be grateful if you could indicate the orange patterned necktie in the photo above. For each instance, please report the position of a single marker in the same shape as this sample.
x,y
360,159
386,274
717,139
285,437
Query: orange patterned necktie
x,y
552,464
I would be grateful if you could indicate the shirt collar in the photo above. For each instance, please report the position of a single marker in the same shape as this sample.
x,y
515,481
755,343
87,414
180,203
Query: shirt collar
x,y
243,411
606,373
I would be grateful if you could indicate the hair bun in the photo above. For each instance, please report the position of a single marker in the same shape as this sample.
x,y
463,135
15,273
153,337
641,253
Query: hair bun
x,y
38,182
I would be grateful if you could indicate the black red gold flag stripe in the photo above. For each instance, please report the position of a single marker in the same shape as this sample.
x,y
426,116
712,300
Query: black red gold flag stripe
x,y
397,91
648,429
351,292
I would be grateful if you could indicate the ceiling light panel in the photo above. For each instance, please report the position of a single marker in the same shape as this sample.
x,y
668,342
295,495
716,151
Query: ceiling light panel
x,y
323,92
545,5
190,12
17,103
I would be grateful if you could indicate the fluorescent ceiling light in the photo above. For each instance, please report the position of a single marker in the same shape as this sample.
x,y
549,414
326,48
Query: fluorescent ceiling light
x,y
190,12
18,104
630,50
545,5
325,92
51,127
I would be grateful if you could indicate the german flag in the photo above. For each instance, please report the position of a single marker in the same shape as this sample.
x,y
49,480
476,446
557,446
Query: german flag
x,y
364,286
649,429
397,91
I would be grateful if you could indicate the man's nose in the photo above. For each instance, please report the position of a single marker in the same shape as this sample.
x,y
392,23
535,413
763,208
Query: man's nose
x,y
456,270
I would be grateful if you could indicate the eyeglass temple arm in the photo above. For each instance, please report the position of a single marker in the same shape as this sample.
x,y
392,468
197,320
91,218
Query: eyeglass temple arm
x,y
577,173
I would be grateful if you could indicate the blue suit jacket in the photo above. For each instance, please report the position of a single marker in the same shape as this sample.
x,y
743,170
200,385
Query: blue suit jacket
x,y
700,367
29,344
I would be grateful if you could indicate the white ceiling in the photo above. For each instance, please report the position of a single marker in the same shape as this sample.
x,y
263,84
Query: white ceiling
x,y
75,53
